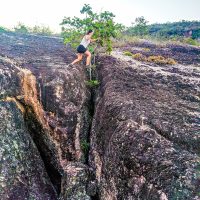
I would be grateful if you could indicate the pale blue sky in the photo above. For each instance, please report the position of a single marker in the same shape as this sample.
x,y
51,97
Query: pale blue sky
x,y
51,12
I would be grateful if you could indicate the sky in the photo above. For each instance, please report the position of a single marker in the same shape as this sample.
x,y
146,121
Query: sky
x,y
51,12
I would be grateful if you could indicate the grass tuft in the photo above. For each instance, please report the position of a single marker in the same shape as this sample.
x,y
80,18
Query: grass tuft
x,y
128,53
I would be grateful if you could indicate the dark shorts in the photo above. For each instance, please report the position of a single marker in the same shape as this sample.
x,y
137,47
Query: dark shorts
x,y
81,49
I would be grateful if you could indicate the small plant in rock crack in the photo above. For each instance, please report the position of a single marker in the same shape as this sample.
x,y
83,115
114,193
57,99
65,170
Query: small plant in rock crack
x,y
85,146
92,83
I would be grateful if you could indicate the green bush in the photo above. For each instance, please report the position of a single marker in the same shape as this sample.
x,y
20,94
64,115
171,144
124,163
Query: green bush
x,y
2,29
191,42
128,53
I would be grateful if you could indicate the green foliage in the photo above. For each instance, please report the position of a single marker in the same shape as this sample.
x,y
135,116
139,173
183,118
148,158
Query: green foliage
x,y
85,146
191,42
3,29
92,83
184,31
38,30
102,23
196,33
21,28
128,53
140,27
175,29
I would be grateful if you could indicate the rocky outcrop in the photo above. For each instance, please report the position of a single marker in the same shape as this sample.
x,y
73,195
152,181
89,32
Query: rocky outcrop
x,y
54,100
62,92
136,136
145,132
21,177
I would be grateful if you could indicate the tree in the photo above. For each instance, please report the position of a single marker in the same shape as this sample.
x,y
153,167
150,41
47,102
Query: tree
x,y
21,28
103,25
140,28
41,30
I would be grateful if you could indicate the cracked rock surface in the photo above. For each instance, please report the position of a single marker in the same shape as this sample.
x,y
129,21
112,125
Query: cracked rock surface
x,y
145,138
136,136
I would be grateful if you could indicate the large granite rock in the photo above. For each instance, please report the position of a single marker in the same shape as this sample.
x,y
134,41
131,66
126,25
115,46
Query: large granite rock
x,y
55,100
145,140
20,177
61,91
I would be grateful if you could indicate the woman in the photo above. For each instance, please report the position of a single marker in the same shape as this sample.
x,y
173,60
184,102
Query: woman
x,y
82,49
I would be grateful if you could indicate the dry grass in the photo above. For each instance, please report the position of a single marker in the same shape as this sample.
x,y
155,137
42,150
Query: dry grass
x,y
140,57
161,60
146,49
154,59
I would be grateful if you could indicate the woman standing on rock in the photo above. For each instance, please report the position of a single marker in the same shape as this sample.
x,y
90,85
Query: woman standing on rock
x,y
82,49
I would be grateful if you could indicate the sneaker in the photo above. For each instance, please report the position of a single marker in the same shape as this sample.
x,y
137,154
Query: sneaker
x,y
69,65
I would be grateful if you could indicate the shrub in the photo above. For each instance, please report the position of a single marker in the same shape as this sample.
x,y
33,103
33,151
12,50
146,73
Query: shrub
x,y
192,42
128,53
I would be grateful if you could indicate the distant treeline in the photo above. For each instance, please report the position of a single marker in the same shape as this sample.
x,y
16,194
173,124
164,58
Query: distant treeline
x,y
175,29
183,31
22,28
183,28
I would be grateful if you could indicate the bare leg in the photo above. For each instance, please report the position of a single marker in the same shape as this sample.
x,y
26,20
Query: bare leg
x,y
88,59
80,56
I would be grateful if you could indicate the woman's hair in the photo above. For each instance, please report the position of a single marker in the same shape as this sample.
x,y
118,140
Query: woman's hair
x,y
89,31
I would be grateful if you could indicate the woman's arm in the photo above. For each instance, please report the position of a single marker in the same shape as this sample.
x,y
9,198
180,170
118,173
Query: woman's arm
x,y
88,37
93,40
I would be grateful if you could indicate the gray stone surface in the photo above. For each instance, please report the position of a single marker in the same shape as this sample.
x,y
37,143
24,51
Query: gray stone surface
x,y
145,133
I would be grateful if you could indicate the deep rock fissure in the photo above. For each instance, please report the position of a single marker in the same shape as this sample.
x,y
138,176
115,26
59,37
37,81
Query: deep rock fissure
x,y
35,128
91,109
36,131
